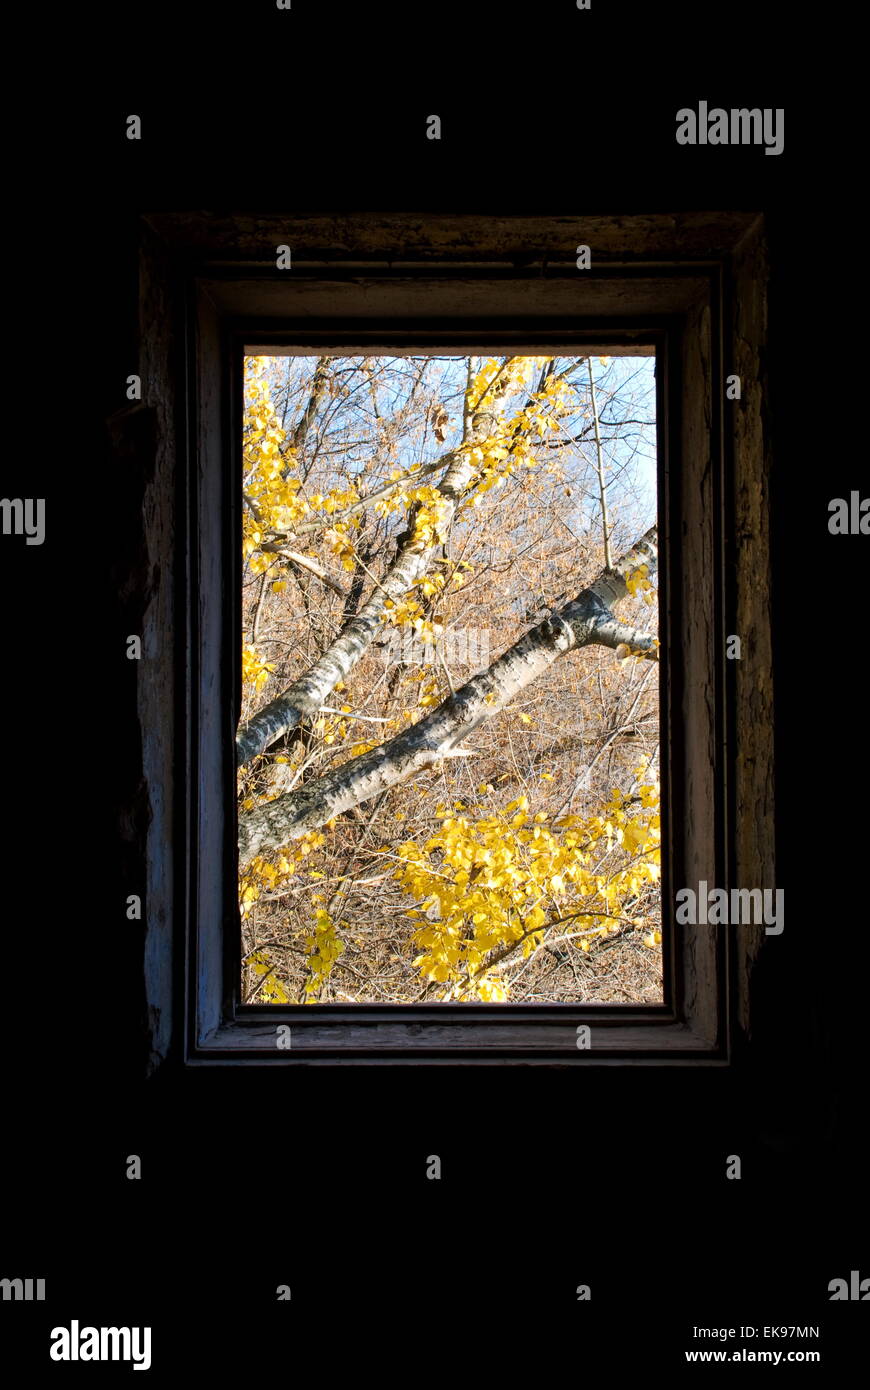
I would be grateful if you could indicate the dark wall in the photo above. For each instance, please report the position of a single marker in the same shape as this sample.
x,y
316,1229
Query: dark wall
x,y
566,1172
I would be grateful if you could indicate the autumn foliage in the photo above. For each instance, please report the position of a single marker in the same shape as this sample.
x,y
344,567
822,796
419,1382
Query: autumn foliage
x,y
526,867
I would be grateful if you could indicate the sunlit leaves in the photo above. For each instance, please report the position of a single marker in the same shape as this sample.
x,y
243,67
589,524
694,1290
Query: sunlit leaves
x,y
255,671
270,990
324,948
267,874
639,583
496,884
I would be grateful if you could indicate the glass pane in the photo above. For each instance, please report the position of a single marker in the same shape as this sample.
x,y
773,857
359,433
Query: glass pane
x,y
446,792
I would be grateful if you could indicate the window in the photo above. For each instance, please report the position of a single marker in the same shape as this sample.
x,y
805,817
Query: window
x,y
447,792
679,293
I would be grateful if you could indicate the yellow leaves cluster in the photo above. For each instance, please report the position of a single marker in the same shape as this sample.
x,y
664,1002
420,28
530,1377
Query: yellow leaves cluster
x,y
364,746
517,374
331,729
492,990
341,546
430,519
391,502
401,614
484,379
277,498
333,501
429,632
255,671
443,577
497,883
639,583
409,613
509,446
324,948
403,494
272,992
265,874
429,695
432,584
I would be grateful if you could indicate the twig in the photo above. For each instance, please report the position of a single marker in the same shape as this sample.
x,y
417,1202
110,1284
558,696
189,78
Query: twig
x,y
601,483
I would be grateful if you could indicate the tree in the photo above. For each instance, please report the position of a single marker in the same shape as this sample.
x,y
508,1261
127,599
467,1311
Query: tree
x,y
431,545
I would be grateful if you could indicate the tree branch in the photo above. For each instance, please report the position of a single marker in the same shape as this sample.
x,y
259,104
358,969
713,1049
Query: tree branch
x,y
586,620
413,559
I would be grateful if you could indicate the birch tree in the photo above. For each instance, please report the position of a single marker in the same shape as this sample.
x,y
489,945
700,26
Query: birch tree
x,y
398,523
588,619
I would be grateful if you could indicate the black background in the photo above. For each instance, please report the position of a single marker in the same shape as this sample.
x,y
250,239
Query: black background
x,y
313,1178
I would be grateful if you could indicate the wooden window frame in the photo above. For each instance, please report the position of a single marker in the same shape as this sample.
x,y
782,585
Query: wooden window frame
x,y
691,294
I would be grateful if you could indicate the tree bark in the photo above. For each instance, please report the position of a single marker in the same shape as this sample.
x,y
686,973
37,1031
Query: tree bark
x,y
584,621
413,558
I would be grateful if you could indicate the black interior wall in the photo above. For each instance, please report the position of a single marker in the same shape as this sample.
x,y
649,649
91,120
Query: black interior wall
x,y
576,1171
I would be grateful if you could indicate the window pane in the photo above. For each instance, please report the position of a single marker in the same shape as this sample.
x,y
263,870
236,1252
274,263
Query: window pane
x,y
448,782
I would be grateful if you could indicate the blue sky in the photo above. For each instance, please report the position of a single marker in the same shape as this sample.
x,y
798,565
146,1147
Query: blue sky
x,y
625,390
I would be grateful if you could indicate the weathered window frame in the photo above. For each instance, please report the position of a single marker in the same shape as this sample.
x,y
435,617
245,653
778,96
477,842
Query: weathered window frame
x,y
692,287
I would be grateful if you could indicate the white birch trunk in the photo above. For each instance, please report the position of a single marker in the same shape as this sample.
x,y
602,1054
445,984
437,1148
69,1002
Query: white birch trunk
x,y
584,621
413,559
